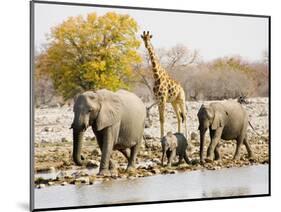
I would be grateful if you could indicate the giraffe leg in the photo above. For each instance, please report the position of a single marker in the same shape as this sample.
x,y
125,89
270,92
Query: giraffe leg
x,y
177,111
183,114
161,108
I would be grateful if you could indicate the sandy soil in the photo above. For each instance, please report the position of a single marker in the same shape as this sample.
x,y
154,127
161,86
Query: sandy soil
x,y
53,146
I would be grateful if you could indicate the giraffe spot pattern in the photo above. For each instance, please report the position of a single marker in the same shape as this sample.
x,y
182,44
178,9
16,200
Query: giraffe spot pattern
x,y
165,88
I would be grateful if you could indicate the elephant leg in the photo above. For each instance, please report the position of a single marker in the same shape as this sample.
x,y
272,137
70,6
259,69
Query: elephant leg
x,y
217,153
239,140
177,112
107,146
99,138
168,154
161,109
170,159
163,157
112,164
133,156
180,159
202,143
186,158
126,153
99,141
215,138
183,115
250,153
113,168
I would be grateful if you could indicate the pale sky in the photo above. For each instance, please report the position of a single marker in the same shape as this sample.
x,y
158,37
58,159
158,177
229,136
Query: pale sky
x,y
212,35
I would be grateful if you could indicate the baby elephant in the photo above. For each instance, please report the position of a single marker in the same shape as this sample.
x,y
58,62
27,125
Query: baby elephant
x,y
172,145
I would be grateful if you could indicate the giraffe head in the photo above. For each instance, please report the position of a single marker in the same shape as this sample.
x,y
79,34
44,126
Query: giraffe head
x,y
146,37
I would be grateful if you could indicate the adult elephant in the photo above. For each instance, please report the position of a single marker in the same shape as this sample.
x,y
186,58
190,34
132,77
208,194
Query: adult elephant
x,y
117,120
226,120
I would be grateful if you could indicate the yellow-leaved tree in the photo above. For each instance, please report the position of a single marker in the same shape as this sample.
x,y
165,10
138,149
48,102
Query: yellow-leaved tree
x,y
90,52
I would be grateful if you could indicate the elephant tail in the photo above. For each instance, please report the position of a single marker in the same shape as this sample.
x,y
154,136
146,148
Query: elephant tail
x,y
256,131
253,128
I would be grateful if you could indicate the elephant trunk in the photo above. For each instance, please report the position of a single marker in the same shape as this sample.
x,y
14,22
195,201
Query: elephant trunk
x,y
77,144
202,142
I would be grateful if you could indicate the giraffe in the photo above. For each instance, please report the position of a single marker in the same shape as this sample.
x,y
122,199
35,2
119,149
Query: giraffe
x,y
166,89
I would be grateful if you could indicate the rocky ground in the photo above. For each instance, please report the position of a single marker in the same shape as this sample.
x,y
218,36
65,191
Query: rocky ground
x,y
53,146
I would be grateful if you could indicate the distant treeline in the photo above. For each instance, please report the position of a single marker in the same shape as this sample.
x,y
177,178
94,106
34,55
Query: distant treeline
x,y
223,78
93,52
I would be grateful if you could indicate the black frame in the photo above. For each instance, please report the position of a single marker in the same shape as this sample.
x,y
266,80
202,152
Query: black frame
x,y
31,124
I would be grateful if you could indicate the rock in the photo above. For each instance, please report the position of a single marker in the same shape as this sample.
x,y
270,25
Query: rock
x,y
44,141
66,163
260,142
155,171
92,179
131,177
148,144
41,186
194,136
106,179
47,129
142,146
92,164
64,183
194,162
52,169
114,174
96,152
54,105
143,166
64,140
50,183
263,113
143,153
147,174
88,138
156,145
147,124
173,171
123,176
63,175
190,147
147,136
217,168
195,143
56,129
84,180
83,173
156,160
60,175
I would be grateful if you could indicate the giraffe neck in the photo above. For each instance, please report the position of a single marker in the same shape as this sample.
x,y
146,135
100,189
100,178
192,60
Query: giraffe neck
x,y
156,67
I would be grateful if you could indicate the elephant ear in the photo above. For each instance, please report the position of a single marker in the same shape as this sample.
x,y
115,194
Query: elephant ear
x,y
110,112
218,121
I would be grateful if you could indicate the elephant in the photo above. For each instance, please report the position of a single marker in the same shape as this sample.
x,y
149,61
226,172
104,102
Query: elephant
x,y
172,145
117,120
226,120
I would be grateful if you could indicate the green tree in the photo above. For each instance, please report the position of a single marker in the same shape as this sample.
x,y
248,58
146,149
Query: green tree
x,y
90,53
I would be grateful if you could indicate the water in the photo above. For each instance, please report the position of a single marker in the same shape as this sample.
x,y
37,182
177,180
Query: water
x,y
188,185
